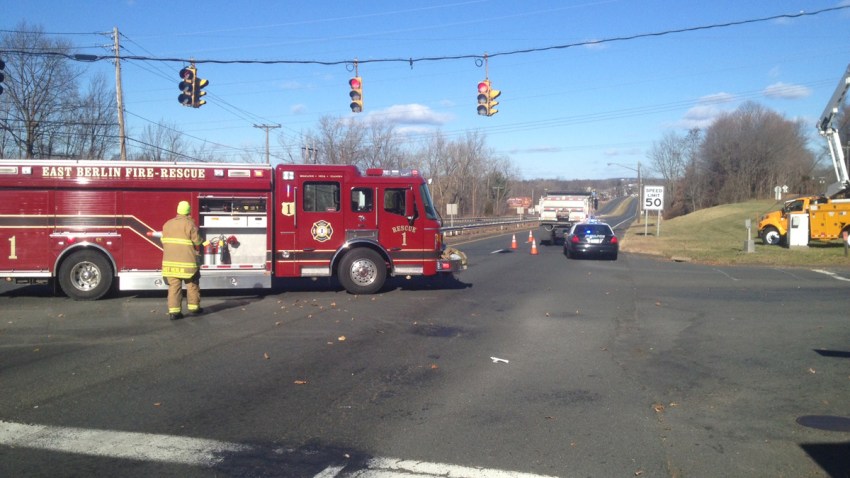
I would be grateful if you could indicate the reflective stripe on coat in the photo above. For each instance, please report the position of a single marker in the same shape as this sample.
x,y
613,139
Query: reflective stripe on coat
x,y
180,237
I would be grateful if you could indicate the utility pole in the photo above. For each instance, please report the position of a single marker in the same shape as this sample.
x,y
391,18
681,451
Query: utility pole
x,y
309,155
496,207
120,100
267,127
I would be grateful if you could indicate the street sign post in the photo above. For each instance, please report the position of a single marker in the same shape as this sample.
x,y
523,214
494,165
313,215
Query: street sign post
x,y
451,210
653,200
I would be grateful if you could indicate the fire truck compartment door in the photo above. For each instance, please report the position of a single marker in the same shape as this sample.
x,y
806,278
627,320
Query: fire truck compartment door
x,y
24,229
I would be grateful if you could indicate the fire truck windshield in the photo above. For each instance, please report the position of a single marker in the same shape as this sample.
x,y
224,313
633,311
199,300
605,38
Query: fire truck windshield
x,y
428,203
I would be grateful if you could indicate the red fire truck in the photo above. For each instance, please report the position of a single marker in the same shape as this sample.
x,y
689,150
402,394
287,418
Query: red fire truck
x,y
92,225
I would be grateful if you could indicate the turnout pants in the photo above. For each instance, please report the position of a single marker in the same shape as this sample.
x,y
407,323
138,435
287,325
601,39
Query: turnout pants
x,y
175,294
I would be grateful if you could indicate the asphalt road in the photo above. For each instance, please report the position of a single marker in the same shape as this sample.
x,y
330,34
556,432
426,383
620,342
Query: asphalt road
x,y
526,365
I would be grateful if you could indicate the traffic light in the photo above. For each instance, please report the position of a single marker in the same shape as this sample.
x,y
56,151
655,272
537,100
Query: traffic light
x,y
187,86
487,99
198,92
192,88
2,76
356,94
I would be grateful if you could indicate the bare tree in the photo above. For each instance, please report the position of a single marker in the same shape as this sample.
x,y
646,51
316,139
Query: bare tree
x,y
40,89
434,159
672,157
668,157
162,142
747,152
340,141
386,151
92,128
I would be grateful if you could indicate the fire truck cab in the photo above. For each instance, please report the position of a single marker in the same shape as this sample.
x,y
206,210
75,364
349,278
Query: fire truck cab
x,y
93,225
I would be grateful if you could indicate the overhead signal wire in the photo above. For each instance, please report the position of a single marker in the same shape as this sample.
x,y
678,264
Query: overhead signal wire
x,y
411,60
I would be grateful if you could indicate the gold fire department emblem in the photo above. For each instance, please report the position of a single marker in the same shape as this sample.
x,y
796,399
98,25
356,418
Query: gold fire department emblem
x,y
322,231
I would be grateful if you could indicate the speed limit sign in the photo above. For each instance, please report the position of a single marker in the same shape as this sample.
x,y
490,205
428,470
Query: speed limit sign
x,y
653,198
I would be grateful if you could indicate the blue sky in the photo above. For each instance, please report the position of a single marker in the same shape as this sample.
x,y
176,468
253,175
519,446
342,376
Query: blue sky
x,y
564,113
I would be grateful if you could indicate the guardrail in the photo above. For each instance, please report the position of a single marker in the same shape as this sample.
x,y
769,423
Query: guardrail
x,y
468,224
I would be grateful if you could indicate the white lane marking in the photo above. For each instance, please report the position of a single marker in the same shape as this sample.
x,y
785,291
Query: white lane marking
x,y
831,274
114,444
330,472
726,274
419,468
208,453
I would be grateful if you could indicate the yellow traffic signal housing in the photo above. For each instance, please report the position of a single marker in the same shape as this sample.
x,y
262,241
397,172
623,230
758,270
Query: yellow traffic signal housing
x,y
198,92
491,102
487,99
356,94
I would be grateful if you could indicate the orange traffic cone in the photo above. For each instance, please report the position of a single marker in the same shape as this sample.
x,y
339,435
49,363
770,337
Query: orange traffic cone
x,y
533,247
513,242
530,238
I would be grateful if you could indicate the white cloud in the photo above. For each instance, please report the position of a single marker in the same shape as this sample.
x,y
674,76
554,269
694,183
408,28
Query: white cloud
x,y
414,130
716,98
411,114
786,91
705,111
700,116
298,109
537,149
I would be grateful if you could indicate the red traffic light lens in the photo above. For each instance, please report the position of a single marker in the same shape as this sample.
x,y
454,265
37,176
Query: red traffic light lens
x,y
187,74
355,83
483,87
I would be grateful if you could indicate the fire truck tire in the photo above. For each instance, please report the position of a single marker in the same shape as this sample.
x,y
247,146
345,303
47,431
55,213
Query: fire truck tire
x,y
770,236
85,275
362,271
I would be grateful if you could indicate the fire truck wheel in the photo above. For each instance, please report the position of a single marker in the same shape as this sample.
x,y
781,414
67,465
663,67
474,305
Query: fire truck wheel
x,y
85,275
362,271
770,236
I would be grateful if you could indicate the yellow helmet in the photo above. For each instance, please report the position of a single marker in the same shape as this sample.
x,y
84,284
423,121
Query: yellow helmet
x,y
184,208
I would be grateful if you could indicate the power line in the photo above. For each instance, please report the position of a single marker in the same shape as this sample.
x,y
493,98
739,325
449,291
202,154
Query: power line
x,y
411,60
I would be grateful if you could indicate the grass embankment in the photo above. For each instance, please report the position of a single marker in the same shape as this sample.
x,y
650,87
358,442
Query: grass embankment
x,y
717,236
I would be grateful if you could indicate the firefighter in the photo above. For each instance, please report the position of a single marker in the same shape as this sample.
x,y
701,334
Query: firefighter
x,y
180,238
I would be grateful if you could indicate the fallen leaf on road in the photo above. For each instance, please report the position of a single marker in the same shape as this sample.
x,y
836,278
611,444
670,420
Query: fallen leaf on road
x,y
156,404
266,355
300,382
811,370
341,338
658,407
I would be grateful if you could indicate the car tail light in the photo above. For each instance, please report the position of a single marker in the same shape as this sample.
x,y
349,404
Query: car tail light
x,y
575,239
614,239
